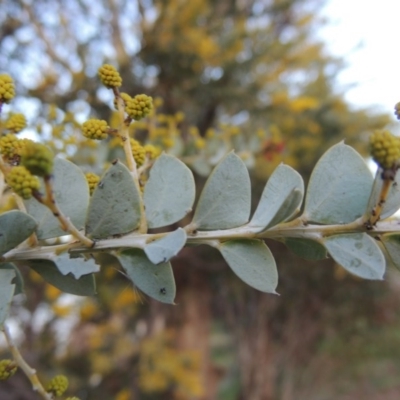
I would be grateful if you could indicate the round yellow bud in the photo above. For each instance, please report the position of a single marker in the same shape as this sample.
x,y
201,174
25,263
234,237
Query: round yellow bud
x,y
37,158
385,148
95,129
109,76
16,122
7,369
7,88
92,180
138,152
139,106
22,182
58,385
151,151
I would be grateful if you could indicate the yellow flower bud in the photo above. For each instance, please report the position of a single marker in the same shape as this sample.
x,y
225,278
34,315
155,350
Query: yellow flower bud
x,y
385,148
7,369
37,158
109,76
16,122
139,106
58,385
22,182
95,129
7,88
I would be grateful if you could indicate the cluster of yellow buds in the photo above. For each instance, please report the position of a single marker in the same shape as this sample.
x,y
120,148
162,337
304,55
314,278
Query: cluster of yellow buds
x,y
22,182
16,122
151,151
37,158
58,385
109,76
7,88
139,106
138,152
95,129
385,149
92,180
7,369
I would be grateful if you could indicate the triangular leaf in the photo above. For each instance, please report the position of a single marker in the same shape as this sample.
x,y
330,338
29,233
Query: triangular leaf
x,y
75,266
253,262
71,192
358,253
85,286
306,248
6,292
225,200
392,202
157,281
115,204
169,193
281,198
339,187
162,250
18,281
15,227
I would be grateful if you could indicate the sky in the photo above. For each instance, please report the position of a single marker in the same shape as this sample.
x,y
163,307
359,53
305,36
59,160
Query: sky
x,y
366,33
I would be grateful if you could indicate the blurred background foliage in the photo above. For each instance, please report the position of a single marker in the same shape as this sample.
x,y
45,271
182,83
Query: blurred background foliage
x,y
233,69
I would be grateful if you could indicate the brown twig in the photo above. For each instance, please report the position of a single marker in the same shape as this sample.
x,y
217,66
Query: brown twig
x,y
28,371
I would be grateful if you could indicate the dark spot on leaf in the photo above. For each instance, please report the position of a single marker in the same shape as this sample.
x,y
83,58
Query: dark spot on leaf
x,y
163,290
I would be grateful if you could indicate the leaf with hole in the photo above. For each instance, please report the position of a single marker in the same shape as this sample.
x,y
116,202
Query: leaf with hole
x,y
115,204
252,261
226,197
76,266
357,253
162,250
280,200
15,227
339,187
18,281
157,281
169,193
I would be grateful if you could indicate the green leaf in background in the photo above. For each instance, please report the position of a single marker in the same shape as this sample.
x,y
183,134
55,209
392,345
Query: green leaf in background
x,y
253,262
169,193
18,281
306,248
15,227
357,253
281,198
85,286
157,281
71,192
226,197
6,292
339,187
201,166
75,266
391,242
392,202
162,250
115,204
